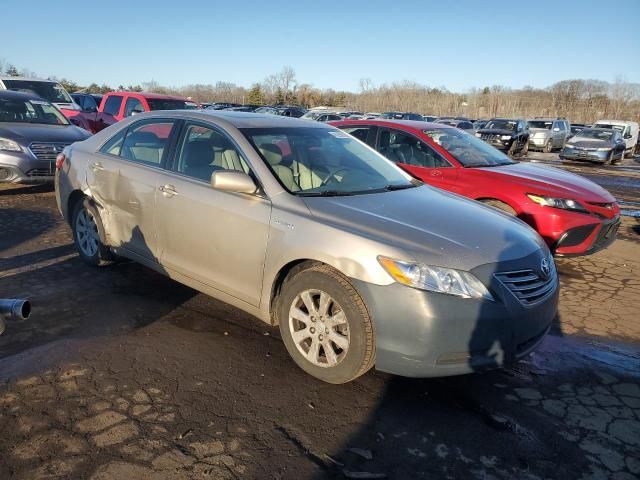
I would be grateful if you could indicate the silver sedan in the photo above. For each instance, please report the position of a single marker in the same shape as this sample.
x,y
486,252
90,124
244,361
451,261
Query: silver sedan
x,y
307,228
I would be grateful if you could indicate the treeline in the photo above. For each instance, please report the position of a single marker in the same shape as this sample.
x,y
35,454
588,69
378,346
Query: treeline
x,y
577,100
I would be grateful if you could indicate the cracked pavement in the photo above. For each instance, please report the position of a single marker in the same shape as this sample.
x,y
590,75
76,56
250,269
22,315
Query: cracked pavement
x,y
122,373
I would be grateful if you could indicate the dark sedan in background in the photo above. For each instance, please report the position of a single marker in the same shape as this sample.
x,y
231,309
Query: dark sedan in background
x,y
509,135
32,133
595,144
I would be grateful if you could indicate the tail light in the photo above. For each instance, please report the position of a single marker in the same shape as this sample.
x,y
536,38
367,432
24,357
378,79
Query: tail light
x,y
60,160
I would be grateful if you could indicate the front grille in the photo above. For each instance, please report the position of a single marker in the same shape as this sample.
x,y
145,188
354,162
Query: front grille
x,y
529,287
489,137
47,151
606,235
41,172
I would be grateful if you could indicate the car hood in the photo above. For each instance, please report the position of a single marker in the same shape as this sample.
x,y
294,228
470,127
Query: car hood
x,y
25,133
432,226
546,180
495,131
540,132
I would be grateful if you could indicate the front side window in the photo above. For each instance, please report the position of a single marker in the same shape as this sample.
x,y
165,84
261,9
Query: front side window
x,y
132,106
112,105
311,161
147,141
467,149
203,150
404,148
30,111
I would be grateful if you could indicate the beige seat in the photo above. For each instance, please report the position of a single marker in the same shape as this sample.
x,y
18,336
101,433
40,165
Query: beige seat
x,y
273,155
225,155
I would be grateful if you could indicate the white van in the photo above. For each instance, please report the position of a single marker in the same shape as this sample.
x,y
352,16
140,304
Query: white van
x,y
48,89
628,130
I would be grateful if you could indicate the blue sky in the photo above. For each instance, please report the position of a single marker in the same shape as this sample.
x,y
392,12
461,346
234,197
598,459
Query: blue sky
x,y
458,44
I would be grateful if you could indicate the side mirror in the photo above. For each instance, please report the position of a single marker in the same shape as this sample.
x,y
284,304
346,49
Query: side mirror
x,y
91,109
628,136
233,181
557,129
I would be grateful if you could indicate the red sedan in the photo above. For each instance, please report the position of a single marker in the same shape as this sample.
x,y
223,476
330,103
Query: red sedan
x,y
573,215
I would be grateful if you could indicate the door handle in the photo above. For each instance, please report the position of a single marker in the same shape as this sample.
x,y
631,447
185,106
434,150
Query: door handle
x,y
96,166
168,190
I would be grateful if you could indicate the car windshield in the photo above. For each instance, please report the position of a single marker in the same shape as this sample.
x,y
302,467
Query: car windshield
x,y
619,128
467,149
312,115
51,91
30,111
593,135
540,124
325,162
169,104
501,125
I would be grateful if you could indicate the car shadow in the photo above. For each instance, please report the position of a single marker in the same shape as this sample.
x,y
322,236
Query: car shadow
x,y
19,225
27,189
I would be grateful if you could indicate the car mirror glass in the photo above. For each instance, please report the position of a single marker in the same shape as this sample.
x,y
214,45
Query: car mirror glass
x,y
557,129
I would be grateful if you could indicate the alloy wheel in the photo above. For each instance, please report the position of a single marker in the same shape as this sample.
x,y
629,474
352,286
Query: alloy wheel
x,y
319,328
87,233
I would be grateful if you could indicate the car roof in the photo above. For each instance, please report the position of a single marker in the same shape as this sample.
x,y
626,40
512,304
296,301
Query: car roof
x,y
415,125
150,95
238,119
13,95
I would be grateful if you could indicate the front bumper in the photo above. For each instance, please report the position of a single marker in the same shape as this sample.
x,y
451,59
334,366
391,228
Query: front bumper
x,y
595,237
538,142
20,167
587,155
426,334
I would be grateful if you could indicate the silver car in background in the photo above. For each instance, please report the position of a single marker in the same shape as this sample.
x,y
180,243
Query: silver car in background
x,y
305,227
32,133
548,134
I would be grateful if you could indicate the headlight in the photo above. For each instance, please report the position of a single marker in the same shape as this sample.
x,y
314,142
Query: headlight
x,y
603,149
505,137
10,145
478,135
435,279
563,203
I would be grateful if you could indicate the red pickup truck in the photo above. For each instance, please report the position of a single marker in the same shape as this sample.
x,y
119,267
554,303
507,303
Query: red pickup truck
x,y
118,105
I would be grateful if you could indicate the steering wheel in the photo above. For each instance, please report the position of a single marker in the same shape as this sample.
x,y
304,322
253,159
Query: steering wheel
x,y
333,175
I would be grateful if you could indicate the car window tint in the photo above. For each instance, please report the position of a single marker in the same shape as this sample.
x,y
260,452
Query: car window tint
x,y
133,105
405,148
114,144
112,105
146,142
204,150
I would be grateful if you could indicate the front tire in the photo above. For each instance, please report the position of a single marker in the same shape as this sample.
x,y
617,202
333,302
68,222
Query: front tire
x,y
525,149
548,147
325,325
88,234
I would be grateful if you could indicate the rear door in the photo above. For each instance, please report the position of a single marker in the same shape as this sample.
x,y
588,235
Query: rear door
x,y
217,238
123,179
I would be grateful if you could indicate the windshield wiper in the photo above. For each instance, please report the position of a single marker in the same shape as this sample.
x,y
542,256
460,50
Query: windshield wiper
x,y
325,193
402,186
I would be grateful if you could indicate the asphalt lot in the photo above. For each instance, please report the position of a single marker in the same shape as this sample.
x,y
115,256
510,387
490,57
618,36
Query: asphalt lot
x,y
122,373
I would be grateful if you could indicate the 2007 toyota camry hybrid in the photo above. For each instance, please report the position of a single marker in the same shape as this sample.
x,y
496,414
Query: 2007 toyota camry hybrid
x,y
305,227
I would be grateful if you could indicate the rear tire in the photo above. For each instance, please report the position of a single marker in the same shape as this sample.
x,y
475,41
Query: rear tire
x,y
325,325
492,202
88,234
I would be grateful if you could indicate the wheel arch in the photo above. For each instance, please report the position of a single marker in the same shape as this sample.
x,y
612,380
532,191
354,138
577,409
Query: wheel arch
x,y
500,199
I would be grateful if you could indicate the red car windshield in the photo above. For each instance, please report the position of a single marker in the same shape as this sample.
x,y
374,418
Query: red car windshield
x,y
467,149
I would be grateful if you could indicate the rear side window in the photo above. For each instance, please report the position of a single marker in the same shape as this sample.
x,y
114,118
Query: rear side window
x,y
146,142
363,133
114,144
112,105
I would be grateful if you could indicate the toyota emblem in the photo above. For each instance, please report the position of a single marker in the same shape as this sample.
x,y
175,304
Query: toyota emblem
x,y
545,267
